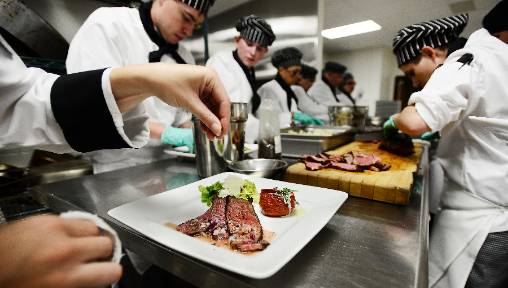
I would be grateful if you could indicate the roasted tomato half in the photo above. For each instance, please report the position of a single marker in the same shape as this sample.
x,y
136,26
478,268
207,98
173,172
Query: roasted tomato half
x,y
277,202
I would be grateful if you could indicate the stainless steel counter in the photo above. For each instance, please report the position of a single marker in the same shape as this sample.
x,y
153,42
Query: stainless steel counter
x,y
365,244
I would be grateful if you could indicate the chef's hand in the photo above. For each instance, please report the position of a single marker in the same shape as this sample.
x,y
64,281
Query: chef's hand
x,y
196,88
305,119
178,137
390,128
48,251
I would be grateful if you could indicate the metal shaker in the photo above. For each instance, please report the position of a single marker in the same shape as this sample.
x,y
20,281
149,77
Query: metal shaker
x,y
209,154
235,140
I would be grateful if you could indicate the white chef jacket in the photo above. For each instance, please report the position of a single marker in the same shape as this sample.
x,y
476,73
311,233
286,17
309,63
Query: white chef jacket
x,y
237,86
344,100
28,118
322,94
116,37
273,90
475,160
308,106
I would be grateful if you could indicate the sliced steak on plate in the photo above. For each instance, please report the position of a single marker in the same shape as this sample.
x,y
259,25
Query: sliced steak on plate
x,y
213,221
246,233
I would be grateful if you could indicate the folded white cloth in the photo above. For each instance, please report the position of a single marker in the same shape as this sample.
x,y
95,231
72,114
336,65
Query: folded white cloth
x,y
117,249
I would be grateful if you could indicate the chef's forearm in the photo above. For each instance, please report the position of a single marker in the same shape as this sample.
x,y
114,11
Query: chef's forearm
x,y
130,86
410,122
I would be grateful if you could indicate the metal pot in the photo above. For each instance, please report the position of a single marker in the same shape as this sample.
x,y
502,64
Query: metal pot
x,y
352,116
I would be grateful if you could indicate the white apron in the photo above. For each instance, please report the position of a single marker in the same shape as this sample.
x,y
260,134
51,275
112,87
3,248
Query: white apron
x,y
475,161
237,86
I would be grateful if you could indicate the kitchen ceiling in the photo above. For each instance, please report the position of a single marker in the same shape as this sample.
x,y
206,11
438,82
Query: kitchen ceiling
x,y
393,15
220,6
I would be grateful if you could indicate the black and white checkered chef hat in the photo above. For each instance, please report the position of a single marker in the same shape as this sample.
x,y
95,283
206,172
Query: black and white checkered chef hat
x,y
254,28
287,57
409,41
200,5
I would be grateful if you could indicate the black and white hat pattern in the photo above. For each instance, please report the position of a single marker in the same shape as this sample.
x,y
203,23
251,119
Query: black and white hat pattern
x,y
287,57
254,28
200,5
409,41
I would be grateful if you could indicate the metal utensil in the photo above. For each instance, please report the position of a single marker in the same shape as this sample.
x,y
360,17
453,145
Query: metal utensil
x,y
267,168
209,154
235,140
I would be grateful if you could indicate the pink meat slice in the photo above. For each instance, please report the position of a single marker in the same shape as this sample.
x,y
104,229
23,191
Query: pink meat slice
x,y
345,166
212,221
316,159
313,166
246,232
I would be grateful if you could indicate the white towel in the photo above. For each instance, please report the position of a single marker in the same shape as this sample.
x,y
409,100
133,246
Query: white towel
x,y
117,249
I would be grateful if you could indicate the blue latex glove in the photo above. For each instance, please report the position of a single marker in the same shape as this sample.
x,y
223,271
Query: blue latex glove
x,y
390,128
178,137
305,119
429,136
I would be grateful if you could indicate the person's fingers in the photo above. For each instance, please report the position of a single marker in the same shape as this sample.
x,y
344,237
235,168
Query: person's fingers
x,y
208,132
207,117
80,227
220,100
93,248
98,274
224,114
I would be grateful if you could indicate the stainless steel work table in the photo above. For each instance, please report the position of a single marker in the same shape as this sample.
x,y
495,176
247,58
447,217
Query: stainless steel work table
x,y
365,244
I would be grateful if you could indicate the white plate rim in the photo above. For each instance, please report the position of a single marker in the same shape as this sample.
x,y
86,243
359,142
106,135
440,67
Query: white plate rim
x,y
258,266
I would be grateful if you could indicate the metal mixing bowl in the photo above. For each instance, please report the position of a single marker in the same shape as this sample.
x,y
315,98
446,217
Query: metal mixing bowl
x,y
266,168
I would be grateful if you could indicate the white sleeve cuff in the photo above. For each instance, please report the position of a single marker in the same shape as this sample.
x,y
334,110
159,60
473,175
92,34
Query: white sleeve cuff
x,y
132,125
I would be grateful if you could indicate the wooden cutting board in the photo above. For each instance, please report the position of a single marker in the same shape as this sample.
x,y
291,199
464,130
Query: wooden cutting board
x,y
392,186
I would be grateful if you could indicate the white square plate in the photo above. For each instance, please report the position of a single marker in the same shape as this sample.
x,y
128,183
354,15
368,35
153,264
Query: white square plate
x,y
149,216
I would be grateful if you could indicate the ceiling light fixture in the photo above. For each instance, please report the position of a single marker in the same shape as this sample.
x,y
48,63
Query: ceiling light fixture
x,y
351,29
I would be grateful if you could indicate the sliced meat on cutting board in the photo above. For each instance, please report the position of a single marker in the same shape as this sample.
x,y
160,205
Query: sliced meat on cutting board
x,y
392,186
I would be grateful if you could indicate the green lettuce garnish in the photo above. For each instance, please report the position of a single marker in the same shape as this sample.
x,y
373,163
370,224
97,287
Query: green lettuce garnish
x,y
208,192
232,186
249,191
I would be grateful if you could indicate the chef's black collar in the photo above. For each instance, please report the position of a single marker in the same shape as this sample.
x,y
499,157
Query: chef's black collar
x,y
289,92
334,91
164,47
251,77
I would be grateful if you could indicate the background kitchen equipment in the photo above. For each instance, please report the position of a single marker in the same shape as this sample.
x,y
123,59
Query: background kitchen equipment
x,y
297,141
385,108
266,168
340,115
209,154
235,141
269,138
25,167
352,116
